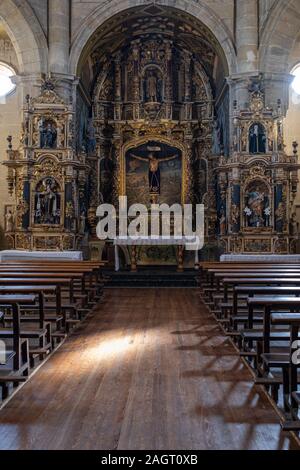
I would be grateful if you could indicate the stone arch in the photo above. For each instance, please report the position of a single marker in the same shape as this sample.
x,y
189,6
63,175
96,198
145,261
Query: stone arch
x,y
198,10
26,35
278,37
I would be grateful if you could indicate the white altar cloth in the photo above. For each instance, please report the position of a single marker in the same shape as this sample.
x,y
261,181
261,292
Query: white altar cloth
x,y
7,255
153,241
262,257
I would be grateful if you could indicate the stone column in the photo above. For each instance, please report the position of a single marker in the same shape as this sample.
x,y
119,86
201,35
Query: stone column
x,y
59,17
247,35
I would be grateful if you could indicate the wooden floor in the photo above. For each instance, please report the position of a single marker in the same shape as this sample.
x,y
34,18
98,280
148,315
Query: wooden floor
x,y
149,370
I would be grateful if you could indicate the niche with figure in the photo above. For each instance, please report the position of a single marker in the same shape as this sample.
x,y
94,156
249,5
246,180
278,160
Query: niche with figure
x,y
153,85
47,202
257,138
257,210
48,133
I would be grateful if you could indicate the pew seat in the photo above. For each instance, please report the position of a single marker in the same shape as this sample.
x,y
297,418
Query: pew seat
x,y
6,378
276,359
258,335
25,334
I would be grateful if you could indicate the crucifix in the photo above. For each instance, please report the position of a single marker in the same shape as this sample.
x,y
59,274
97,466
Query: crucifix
x,y
154,170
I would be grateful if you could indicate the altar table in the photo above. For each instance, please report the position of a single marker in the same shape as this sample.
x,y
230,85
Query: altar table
x,y
180,242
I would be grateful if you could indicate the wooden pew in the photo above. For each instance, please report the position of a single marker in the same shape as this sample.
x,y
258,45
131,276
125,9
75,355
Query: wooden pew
x,y
81,282
261,290
43,319
286,362
46,338
77,273
19,354
231,281
266,289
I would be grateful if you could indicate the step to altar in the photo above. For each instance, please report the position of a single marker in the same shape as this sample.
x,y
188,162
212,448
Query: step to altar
x,y
152,277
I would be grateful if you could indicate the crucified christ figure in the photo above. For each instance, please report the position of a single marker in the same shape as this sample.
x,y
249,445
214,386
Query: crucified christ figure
x,y
154,170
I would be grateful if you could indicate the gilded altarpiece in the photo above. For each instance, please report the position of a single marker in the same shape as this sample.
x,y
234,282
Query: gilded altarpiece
x,y
46,177
257,183
153,118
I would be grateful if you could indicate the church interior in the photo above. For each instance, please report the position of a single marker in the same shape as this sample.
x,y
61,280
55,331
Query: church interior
x,y
122,343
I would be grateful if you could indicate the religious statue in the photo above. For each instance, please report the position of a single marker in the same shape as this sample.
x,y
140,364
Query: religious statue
x,y
257,139
47,210
280,215
152,86
235,214
48,134
82,223
257,210
154,170
294,225
9,221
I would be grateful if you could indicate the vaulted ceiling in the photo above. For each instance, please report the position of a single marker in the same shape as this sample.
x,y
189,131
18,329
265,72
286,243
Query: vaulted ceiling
x,y
186,32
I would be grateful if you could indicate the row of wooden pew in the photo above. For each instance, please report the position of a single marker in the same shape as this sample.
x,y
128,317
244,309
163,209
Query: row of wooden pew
x,y
258,307
40,303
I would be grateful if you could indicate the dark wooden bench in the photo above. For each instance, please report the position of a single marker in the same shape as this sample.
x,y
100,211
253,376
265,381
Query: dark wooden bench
x,y
289,362
19,354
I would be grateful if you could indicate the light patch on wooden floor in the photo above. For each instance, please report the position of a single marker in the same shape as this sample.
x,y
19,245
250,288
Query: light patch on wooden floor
x,y
149,370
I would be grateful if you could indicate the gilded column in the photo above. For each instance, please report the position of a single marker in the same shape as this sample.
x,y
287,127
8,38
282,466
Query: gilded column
x,y
187,86
118,86
169,80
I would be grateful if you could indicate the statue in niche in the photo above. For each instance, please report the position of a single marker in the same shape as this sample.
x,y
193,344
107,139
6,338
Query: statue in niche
x,y
294,225
82,223
47,203
280,214
152,86
235,214
154,170
48,134
257,210
257,139
9,221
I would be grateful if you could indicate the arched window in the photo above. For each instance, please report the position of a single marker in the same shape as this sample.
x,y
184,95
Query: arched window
x,y
296,82
6,84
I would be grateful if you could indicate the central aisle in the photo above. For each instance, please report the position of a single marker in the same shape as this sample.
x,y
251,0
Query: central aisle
x,y
149,370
